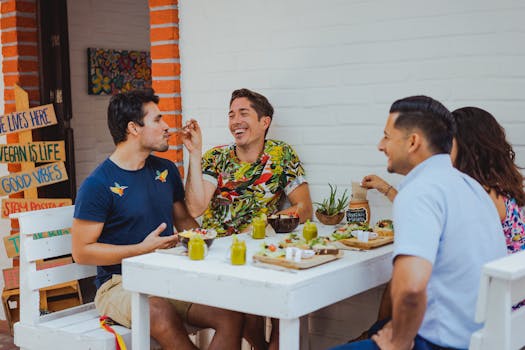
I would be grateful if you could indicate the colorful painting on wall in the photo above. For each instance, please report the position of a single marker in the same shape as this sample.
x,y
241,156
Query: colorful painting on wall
x,y
114,71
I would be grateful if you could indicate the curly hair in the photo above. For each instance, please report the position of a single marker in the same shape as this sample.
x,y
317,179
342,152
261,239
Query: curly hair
x,y
484,153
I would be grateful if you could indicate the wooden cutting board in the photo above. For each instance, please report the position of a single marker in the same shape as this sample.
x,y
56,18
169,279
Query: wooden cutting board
x,y
373,243
316,260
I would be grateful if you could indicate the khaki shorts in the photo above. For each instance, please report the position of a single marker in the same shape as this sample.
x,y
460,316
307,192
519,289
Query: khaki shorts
x,y
115,302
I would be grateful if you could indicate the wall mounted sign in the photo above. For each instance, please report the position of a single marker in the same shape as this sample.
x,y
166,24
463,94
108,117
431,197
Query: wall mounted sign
x,y
37,177
34,152
20,205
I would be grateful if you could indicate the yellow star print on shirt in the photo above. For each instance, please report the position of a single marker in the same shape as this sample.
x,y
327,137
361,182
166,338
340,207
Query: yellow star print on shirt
x,y
161,176
117,189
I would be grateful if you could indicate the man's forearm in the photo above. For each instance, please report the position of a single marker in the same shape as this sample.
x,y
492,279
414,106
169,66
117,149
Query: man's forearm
x,y
195,191
102,254
408,312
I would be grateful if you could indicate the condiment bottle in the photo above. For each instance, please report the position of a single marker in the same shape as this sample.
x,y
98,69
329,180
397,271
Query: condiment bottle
x,y
309,230
196,248
238,252
259,228
358,211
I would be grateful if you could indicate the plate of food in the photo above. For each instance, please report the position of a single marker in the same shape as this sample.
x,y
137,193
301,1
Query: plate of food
x,y
273,254
208,235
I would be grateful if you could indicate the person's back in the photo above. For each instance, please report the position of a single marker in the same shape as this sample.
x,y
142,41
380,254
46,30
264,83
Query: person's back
x,y
456,238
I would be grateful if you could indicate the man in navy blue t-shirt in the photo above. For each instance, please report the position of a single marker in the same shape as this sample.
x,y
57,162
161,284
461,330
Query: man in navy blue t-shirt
x,y
128,206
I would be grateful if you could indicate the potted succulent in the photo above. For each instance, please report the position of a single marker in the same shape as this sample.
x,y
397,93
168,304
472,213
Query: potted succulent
x,y
331,210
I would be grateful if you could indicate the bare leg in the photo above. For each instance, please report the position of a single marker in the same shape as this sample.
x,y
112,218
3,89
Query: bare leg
x,y
274,337
254,330
228,325
167,327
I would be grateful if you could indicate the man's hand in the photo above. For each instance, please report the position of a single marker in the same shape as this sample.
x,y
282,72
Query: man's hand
x,y
384,340
155,241
191,136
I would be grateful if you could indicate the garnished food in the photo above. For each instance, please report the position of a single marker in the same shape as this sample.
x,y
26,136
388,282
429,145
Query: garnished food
x,y
293,240
384,227
320,243
345,231
271,250
198,231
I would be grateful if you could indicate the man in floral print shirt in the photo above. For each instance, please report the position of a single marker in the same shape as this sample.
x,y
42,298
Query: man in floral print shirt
x,y
231,184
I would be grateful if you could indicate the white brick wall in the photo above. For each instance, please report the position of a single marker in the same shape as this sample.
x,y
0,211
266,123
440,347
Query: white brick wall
x,y
115,24
333,68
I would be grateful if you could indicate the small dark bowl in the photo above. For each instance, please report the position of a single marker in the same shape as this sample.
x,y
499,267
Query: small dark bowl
x,y
283,224
209,241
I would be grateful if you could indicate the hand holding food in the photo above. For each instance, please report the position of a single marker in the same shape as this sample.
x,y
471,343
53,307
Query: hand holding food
x,y
191,136
373,181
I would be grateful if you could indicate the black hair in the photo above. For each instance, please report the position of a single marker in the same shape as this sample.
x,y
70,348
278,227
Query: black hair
x,y
259,103
128,107
429,116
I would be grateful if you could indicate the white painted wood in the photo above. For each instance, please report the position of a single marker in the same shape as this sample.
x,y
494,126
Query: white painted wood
x,y
61,274
502,285
281,294
45,220
48,247
140,321
289,334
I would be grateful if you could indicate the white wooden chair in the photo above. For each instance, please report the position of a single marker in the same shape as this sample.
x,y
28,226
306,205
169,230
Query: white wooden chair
x,y
74,328
502,285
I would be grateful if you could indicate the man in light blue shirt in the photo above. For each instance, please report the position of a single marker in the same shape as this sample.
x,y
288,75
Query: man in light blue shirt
x,y
447,228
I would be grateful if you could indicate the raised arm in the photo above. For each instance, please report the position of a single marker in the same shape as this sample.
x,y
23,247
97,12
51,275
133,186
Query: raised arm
x,y
198,191
375,182
409,298
86,250
301,203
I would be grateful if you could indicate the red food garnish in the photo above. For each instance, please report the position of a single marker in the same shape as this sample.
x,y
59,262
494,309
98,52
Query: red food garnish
x,y
272,248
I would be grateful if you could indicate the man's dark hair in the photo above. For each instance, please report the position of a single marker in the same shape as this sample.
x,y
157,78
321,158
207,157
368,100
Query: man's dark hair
x,y
429,116
258,102
128,107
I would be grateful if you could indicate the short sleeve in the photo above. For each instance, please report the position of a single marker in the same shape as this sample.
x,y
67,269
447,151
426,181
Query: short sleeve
x,y
209,166
93,201
418,219
294,170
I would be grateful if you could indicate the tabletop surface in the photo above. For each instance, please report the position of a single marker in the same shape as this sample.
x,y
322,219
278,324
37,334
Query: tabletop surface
x,y
287,293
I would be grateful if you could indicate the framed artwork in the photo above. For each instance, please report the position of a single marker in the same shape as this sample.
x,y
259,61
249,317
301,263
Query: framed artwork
x,y
114,71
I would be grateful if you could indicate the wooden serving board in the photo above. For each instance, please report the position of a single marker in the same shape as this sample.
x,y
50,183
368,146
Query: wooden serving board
x,y
316,260
372,243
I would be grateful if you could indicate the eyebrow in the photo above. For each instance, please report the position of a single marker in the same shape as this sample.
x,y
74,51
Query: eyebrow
x,y
240,110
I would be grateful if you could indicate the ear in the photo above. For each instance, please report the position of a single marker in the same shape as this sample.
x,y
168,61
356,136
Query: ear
x,y
132,128
415,142
267,121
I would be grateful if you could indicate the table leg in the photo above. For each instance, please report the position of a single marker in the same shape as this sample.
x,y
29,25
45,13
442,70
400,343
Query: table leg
x,y
289,334
140,321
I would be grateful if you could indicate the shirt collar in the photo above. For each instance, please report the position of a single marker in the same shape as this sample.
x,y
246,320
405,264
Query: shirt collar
x,y
437,160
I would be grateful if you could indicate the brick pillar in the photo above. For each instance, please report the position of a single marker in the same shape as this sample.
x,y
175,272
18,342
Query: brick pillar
x,y
164,38
20,61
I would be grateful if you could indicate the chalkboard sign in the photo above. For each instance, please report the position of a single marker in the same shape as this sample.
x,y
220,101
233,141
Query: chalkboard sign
x,y
359,215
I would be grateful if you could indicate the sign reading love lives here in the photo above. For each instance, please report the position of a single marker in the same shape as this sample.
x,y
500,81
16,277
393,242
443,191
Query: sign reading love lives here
x,y
28,119
37,177
20,205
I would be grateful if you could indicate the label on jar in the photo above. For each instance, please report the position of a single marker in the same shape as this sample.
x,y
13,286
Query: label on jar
x,y
357,215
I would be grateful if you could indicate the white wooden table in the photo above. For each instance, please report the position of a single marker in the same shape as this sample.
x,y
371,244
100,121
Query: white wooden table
x,y
286,295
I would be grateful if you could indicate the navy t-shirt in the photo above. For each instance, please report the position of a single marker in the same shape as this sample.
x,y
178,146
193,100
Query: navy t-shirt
x,y
131,204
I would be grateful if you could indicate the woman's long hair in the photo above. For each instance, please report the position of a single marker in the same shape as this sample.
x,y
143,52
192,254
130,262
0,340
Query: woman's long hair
x,y
484,153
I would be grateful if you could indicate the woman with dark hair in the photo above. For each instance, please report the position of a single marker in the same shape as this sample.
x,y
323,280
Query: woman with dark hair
x,y
481,150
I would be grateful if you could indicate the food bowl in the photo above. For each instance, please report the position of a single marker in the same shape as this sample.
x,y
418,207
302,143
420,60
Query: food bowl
x,y
208,235
283,223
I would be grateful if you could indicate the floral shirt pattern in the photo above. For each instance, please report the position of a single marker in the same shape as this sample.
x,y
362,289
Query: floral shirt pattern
x,y
245,190
514,230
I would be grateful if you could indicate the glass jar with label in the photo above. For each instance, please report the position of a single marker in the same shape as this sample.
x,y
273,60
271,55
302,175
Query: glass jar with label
x,y
196,248
359,212
238,252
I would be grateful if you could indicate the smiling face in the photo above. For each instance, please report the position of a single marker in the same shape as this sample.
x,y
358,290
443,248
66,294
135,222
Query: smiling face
x,y
395,145
153,135
244,124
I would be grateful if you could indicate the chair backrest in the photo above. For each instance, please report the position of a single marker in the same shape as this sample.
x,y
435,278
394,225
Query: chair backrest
x,y
502,286
45,234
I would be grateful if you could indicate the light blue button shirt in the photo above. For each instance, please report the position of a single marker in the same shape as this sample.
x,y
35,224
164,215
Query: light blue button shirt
x,y
447,218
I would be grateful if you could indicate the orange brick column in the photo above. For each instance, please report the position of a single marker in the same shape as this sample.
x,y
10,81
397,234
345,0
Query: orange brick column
x,y
164,37
20,61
